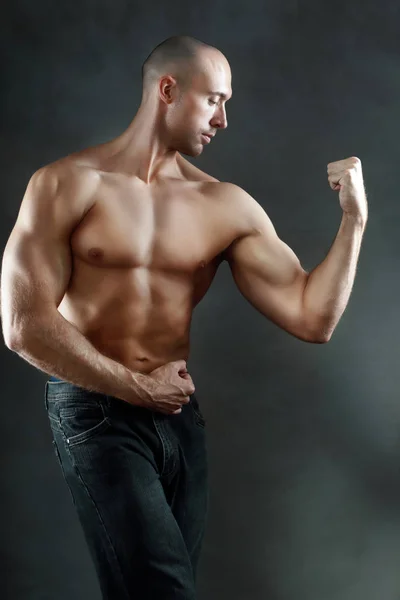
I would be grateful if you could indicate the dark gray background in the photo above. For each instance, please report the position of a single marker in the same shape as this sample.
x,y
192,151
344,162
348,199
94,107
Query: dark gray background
x,y
303,439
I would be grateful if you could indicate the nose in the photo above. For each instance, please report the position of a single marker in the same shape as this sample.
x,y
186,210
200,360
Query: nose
x,y
219,119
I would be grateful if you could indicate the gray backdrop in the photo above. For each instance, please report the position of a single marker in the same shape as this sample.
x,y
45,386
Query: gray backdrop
x,y
303,439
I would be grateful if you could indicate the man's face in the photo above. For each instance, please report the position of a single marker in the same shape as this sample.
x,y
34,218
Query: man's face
x,y
199,112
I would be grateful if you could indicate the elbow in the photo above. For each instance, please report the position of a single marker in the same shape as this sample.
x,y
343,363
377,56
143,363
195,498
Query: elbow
x,y
318,334
323,336
14,337
316,338
324,331
12,341
321,339
19,330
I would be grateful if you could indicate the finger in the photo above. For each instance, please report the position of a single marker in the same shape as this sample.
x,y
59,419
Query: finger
x,y
340,176
341,165
337,165
184,391
334,180
181,364
170,412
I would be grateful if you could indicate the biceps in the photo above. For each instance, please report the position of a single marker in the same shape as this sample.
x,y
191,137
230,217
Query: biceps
x,y
269,275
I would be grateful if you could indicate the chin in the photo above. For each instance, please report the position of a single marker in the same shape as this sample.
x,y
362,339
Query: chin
x,y
193,150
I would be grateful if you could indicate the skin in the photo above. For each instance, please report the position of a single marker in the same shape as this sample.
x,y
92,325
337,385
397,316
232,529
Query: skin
x,y
115,245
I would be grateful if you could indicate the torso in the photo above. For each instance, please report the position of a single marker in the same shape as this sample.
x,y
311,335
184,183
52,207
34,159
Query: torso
x,y
143,256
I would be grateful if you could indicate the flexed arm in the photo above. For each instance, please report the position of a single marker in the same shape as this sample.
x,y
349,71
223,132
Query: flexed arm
x,y
271,278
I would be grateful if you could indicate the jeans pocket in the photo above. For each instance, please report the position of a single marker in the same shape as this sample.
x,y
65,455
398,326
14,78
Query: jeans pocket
x,y
82,421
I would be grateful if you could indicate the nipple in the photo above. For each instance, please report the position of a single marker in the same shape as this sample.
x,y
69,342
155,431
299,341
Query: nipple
x,y
96,253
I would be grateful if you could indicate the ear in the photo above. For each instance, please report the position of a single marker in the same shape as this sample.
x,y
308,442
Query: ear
x,y
168,89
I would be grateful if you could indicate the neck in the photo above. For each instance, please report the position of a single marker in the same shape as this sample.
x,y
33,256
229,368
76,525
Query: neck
x,y
141,149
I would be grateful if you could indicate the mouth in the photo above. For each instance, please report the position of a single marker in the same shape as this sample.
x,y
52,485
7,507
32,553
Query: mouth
x,y
206,137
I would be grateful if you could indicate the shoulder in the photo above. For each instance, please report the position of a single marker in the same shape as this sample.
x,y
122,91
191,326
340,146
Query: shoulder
x,y
62,190
246,217
66,176
238,200
232,192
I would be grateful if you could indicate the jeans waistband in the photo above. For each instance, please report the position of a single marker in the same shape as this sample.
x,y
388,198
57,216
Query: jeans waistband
x,y
52,378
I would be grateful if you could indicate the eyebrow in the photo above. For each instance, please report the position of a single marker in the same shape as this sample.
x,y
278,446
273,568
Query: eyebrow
x,y
222,94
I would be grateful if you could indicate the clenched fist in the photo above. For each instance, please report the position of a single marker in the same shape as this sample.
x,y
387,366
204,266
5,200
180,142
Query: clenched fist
x,y
165,389
347,177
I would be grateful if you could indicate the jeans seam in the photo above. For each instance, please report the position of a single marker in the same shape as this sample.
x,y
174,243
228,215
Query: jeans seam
x,y
85,487
160,437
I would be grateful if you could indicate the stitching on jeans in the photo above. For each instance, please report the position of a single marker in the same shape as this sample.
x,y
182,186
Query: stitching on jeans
x,y
85,436
162,444
85,487
198,417
169,451
76,394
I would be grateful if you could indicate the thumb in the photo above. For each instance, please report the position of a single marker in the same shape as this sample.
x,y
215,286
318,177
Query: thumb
x,y
180,364
334,186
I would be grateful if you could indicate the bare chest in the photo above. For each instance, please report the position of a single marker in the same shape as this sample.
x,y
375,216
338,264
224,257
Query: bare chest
x,y
174,229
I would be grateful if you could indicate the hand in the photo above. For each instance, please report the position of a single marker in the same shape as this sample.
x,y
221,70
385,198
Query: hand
x,y
166,388
346,176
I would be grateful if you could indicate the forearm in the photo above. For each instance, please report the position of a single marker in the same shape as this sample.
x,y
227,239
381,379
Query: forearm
x,y
55,346
329,285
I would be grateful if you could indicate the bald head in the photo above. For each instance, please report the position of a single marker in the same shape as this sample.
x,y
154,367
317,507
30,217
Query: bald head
x,y
186,85
179,55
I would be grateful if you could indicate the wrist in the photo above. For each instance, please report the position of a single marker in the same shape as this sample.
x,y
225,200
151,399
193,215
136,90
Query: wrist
x,y
140,384
133,385
358,218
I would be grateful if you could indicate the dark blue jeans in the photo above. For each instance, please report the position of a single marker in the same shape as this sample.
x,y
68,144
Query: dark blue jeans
x,y
138,480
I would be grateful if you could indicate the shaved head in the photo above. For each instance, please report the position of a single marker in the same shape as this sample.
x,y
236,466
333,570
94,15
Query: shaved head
x,y
186,84
178,55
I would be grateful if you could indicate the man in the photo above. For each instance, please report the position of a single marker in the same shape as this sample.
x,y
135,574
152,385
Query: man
x,y
112,249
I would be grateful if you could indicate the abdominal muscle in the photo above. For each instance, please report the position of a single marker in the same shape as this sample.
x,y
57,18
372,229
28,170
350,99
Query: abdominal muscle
x,y
138,317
